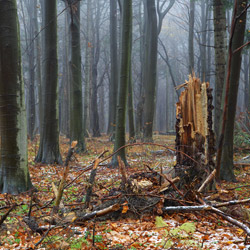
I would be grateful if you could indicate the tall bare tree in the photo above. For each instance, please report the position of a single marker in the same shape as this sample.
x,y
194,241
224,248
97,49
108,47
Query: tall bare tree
x,y
191,36
14,174
231,92
220,58
126,45
152,30
76,113
49,151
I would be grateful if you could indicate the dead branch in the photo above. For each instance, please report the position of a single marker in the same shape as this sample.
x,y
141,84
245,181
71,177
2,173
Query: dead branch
x,y
209,178
91,183
122,169
61,206
173,185
210,208
231,220
33,225
204,207
95,214
65,174
231,203
186,209
4,217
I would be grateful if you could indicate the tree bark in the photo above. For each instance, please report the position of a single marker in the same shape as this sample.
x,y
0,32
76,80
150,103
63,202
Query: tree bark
x,y
14,174
76,119
114,67
220,59
150,71
96,57
126,45
49,151
132,138
191,36
88,71
226,167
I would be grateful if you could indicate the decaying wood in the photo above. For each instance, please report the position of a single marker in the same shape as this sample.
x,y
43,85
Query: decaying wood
x,y
4,217
98,213
194,134
65,174
209,178
122,170
55,190
91,183
213,209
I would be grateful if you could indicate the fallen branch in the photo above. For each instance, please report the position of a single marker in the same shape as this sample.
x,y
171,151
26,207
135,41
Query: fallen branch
x,y
4,217
209,178
210,208
65,174
204,207
33,225
231,203
231,220
99,213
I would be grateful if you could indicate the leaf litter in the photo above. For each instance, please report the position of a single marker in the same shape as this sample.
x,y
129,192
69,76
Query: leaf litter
x,y
196,230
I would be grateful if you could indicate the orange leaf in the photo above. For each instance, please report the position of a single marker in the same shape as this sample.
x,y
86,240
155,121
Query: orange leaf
x,y
125,209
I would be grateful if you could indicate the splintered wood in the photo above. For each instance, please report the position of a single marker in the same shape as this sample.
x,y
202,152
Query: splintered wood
x,y
194,134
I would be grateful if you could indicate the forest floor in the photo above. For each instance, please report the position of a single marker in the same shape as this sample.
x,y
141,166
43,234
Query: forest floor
x,y
194,230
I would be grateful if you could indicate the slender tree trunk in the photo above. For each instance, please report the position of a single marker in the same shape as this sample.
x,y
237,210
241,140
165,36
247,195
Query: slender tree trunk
x,y
191,36
126,45
64,90
246,82
220,59
151,36
114,67
76,119
88,71
31,8
209,44
204,15
140,103
14,174
49,151
226,169
132,138
248,104
38,68
94,96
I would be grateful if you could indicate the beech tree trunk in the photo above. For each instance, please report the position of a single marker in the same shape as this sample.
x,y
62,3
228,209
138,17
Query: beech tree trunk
x,y
49,151
96,56
76,113
14,174
150,70
191,36
114,67
88,71
220,59
226,168
126,45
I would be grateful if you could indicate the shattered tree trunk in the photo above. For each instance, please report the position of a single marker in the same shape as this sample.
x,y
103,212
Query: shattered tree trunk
x,y
194,134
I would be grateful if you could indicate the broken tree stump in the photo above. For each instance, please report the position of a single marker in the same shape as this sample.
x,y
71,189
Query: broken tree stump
x,y
195,142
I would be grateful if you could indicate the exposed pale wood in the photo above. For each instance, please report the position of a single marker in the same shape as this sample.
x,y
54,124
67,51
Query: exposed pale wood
x,y
194,133
193,112
209,178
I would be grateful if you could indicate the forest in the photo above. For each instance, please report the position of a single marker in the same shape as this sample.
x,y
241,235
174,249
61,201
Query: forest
x,y
124,124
